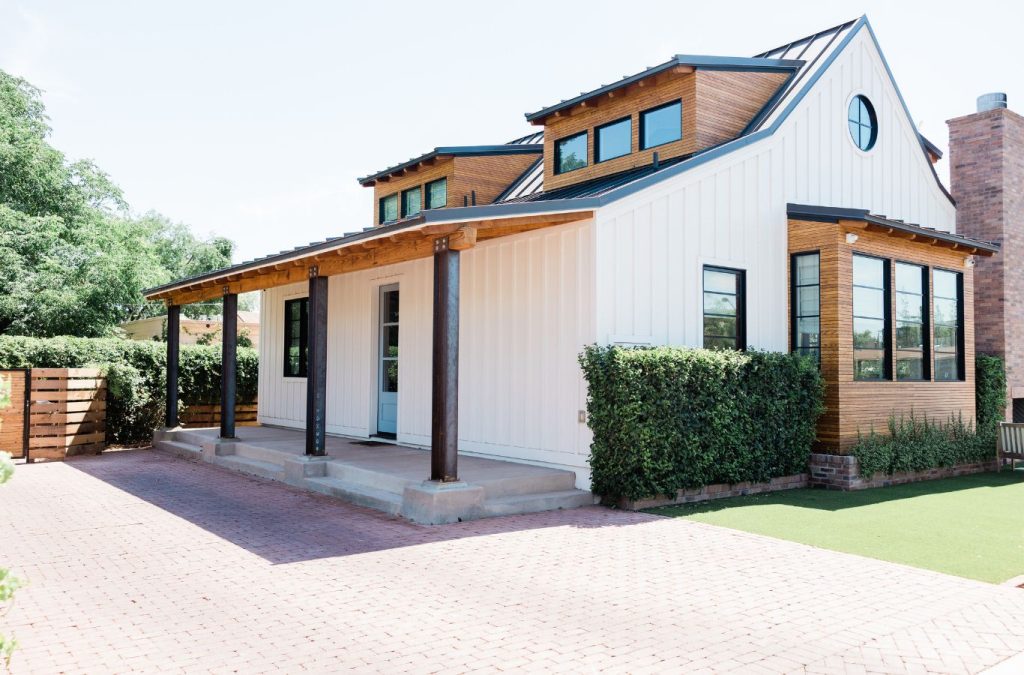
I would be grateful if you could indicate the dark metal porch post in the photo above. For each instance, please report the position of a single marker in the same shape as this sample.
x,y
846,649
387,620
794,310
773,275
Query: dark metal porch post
x,y
444,439
316,365
173,342
228,364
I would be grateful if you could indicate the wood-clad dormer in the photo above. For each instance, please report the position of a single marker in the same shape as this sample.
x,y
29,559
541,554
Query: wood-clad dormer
x,y
678,108
448,176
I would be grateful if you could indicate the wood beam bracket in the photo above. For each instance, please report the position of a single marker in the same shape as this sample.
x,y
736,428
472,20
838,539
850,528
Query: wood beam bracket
x,y
226,289
440,244
314,271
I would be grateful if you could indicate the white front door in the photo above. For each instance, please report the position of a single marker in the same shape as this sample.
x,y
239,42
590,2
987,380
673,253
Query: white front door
x,y
387,380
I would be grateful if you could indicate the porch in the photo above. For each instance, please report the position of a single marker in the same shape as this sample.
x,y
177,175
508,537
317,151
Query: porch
x,y
381,475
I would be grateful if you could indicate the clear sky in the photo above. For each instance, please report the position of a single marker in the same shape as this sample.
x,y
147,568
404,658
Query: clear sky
x,y
254,119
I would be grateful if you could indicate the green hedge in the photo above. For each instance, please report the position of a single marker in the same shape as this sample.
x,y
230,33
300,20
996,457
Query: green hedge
x,y
918,443
669,418
136,375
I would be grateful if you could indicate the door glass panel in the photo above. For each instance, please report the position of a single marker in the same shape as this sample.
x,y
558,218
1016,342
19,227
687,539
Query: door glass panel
x,y
390,341
391,375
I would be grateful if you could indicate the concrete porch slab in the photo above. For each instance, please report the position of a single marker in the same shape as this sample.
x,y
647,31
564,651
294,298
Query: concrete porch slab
x,y
383,476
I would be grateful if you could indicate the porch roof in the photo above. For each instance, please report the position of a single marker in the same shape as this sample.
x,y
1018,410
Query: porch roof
x,y
407,239
831,214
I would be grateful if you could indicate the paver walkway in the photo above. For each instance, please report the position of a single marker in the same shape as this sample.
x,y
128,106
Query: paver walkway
x,y
137,561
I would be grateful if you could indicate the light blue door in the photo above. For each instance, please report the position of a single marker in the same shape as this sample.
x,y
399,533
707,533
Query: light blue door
x,y
387,380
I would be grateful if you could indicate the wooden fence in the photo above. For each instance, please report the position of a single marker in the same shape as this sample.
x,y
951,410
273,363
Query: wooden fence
x,y
13,430
209,415
68,412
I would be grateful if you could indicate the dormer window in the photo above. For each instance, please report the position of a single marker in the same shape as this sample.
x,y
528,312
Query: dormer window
x,y
388,209
437,193
661,125
613,140
411,202
571,153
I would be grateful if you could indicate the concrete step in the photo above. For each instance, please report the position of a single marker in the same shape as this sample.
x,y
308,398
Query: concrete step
x,y
382,500
253,467
179,449
367,479
191,437
532,503
260,454
540,482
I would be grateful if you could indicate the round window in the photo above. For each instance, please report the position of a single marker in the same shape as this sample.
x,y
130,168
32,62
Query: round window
x,y
863,123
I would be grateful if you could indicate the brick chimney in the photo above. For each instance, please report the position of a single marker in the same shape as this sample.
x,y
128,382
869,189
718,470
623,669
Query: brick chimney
x,y
986,157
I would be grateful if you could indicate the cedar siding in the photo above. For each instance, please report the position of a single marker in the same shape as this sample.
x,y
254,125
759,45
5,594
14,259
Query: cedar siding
x,y
856,407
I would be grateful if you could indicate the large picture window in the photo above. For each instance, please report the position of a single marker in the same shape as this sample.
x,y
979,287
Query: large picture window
x,y
388,209
870,318
724,308
613,140
911,322
806,304
661,125
949,337
571,153
437,193
295,342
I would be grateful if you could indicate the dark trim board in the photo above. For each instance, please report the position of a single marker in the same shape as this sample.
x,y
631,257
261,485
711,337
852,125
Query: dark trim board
x,y
456,151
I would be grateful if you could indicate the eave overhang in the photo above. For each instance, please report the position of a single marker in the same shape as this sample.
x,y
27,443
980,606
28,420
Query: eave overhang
x,y
446,152
403,240
679,63
831,214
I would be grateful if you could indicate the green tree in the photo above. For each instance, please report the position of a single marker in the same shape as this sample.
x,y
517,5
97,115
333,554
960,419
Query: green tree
x,y
73,260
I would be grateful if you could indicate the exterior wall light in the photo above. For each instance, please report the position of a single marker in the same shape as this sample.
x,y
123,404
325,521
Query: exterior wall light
x,y
851,238
969,261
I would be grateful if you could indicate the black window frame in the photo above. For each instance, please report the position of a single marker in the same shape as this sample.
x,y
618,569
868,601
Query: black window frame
x,y
741,305
558,151
643,124
597,139
794,315
303,336
887,374
961,360
403,211
380,208
872,123
926,298
426,193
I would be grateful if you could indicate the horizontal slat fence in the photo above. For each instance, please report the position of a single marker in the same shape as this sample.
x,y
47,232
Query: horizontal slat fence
x,y
195,416
13,434
68,412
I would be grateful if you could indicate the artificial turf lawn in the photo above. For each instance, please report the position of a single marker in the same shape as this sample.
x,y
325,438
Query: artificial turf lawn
x,y
971,526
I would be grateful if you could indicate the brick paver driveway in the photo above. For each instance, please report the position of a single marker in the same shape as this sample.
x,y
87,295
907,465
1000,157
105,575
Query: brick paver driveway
x,y
138,561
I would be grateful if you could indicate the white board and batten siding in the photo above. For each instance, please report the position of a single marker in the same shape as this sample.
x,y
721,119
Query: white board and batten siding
x,y
526,311
652,246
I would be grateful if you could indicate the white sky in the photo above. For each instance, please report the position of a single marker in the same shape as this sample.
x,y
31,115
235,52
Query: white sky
x,y
253,119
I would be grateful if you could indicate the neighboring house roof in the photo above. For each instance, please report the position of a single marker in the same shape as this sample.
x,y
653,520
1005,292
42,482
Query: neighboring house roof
x,y
831,214
524,145
696,61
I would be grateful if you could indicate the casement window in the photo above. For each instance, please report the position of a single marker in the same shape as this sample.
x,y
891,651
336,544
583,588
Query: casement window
x,y
411,202
437,193
613,140
661,125
388,209
911,322
805,304
295,342
571,153
871,328
724,308
949,320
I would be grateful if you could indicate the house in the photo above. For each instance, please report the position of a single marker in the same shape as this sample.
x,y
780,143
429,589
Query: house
x,y
784,201
193,331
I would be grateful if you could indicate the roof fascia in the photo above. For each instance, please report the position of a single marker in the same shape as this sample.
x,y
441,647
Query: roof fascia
x,y
457,151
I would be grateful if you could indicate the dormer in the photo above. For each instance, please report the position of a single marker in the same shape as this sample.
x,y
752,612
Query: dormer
x,y
675,109
449,176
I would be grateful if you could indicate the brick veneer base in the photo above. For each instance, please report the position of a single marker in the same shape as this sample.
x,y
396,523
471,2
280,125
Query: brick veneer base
x,y
842,472
717,491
